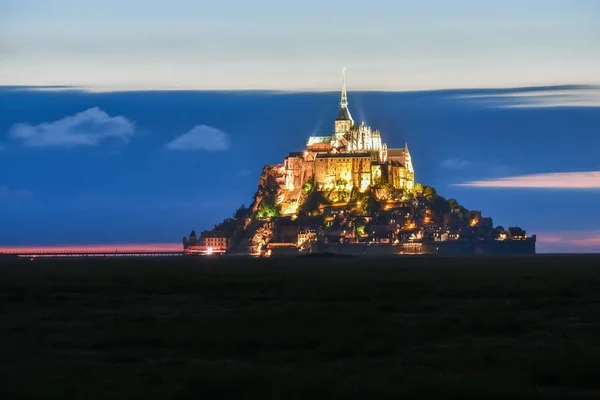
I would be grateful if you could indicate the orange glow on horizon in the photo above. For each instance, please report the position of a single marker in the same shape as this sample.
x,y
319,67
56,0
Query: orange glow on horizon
x,y
94,247
592,241
568,241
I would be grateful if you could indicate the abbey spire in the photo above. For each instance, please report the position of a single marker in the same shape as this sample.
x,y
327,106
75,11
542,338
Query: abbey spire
x,y
344,102
343,121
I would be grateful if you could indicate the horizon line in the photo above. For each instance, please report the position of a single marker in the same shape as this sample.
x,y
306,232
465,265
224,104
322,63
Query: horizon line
x,y
111,89
151,246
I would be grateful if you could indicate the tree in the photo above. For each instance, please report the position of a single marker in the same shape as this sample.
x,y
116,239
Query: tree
x,y
268,210
381,183
453,203
373,205
429,193
242,213
440,205
228,226
308,187
341,184
342,196
367,202
419,188
355,194
359,225
312,203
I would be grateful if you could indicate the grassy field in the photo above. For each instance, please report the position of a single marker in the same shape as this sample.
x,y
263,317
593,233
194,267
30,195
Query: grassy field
x,y
301,328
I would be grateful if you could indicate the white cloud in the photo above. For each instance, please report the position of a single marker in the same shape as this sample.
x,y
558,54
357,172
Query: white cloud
x,y
456,163
559,180
585,96
201,137
86,128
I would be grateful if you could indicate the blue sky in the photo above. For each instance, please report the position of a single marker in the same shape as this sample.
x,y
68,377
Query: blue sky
x,y
119,156
268,44
79,167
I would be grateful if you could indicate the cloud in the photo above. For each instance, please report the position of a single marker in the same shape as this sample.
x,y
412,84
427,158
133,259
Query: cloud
x,y
565,96
456,163
201,137
568,242
86,128
244,172
7,193
47,88
559,180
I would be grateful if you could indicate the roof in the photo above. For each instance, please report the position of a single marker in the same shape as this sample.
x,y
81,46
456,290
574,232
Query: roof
x,y
341,142
344,155
516,231
212,234
295,154
318,140
343,114
396,152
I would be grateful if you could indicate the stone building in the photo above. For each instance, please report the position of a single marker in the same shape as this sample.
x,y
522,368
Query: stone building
x,y
207,238
192,241
352,156
213,239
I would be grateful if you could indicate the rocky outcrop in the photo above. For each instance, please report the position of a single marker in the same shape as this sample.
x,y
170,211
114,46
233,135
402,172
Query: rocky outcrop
x,y
243,244
269,185
262,237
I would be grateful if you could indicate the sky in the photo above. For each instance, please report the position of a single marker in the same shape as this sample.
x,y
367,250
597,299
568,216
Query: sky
x,y
162,115
273,44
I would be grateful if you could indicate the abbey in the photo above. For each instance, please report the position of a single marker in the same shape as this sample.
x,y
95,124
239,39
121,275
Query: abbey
x,y
345,192
353,156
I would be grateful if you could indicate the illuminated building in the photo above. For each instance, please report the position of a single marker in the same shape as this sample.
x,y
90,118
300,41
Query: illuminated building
x,y
208,239
330,194
353,156
308,236
213,239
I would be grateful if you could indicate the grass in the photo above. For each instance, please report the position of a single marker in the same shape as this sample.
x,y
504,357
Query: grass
x,y
301,328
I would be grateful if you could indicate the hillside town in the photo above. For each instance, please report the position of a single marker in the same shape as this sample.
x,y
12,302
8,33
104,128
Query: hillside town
x,y
347,192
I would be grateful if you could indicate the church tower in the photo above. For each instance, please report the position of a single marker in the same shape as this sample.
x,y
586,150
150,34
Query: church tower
x,y
344,120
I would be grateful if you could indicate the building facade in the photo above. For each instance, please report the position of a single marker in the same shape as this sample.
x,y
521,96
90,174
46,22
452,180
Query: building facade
x,y
208,239
352,156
